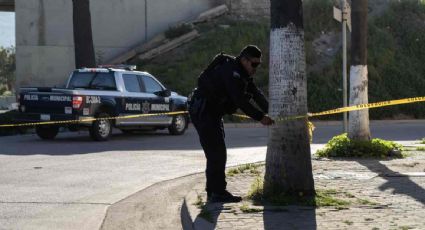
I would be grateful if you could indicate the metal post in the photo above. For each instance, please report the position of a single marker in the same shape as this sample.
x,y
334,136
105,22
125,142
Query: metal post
x,y
146,20
344,61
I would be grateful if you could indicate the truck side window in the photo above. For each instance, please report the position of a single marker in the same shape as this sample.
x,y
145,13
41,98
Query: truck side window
x,y
151,86
93,80
104,82
131,83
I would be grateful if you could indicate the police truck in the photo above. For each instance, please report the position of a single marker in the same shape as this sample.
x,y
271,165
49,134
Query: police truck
x,y
99,99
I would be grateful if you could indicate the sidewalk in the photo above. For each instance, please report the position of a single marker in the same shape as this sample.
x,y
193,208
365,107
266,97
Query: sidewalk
x,y
383,194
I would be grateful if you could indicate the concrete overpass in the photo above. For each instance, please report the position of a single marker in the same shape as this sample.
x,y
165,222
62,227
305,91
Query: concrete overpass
x,y
44,32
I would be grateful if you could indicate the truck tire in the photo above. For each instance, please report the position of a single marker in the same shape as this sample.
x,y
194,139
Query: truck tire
x,y
178,125
48,132
101,129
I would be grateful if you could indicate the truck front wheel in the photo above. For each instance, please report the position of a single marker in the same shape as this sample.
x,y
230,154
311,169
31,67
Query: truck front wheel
x,y
101,129
179,125
48,132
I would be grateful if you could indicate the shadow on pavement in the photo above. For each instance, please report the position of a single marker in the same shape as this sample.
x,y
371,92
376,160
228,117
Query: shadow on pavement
x,y
80,143
291,217
398,183
211,213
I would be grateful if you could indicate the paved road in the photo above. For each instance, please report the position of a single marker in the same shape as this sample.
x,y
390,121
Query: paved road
x,y
70,182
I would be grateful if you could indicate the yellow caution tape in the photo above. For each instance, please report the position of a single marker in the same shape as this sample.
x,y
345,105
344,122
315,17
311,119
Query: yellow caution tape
x,y
369,106
328,112
348,109
92,119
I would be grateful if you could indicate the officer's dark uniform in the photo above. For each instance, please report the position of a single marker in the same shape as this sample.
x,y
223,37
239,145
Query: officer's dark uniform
x,y
227,87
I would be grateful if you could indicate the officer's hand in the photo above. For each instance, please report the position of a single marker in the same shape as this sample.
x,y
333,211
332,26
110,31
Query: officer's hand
x,y
267,120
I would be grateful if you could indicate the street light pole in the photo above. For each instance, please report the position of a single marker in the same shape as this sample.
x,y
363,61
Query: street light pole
x,y
344,61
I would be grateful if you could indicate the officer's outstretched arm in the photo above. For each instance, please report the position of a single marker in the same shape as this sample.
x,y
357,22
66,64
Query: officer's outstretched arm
x,y
234,87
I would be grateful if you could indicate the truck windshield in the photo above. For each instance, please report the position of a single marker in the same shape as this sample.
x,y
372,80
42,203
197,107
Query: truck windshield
x,y
93,80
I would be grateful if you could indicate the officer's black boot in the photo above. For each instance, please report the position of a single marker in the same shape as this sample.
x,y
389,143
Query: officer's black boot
x,y
224,197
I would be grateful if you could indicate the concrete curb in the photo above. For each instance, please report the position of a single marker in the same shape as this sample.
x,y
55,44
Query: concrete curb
x,y
148,207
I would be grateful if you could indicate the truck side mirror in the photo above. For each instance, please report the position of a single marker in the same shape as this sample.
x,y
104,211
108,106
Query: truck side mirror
x,y
163,93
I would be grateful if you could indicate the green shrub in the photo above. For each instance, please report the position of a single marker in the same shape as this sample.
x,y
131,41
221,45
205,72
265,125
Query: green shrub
x,y
342,146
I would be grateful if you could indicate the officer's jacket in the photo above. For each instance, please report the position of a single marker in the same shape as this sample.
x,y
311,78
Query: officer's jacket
x,y
233,89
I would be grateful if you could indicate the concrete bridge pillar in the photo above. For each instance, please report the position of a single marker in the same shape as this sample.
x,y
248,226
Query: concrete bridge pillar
x,y
44,32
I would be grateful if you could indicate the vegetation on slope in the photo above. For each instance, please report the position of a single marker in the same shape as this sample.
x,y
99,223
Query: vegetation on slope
x,y
396,51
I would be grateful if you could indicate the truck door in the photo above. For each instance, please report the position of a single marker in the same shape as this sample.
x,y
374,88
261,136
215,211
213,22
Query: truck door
x,y
131,100
140,99
157,104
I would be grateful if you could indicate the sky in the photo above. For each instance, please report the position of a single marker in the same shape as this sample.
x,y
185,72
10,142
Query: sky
x,y
7,29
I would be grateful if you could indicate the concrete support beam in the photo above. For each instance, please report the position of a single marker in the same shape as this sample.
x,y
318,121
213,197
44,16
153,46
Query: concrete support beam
x,y
7,5
169,45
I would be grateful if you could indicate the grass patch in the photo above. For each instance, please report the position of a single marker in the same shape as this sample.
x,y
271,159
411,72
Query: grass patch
x,y
422,141
323,198
205,213
342,146
348,222
251,168
326,198
420,149
256,191
366,202
199,202
245,208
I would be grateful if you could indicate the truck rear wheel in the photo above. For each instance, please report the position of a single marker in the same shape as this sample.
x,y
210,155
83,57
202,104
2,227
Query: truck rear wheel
x,y
179,125
101,129
48,132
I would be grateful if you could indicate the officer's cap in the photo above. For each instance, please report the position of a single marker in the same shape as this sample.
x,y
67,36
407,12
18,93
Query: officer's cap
x,y
251,51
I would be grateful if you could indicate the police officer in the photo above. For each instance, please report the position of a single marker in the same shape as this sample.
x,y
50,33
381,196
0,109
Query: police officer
x,y
223,87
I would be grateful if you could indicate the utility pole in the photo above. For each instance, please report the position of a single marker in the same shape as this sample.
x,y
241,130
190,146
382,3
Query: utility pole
x,y
344,16
146,20
358,128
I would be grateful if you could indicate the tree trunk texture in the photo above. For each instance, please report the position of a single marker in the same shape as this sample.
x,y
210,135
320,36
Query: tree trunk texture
x,y
358,128
288,161
83,40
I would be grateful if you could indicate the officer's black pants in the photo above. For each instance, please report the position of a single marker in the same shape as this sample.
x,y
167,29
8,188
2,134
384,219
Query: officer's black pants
x,y
210,129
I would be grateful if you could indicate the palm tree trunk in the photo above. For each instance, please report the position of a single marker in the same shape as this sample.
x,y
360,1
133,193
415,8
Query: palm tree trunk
x,y
288,162
83,40
359,120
